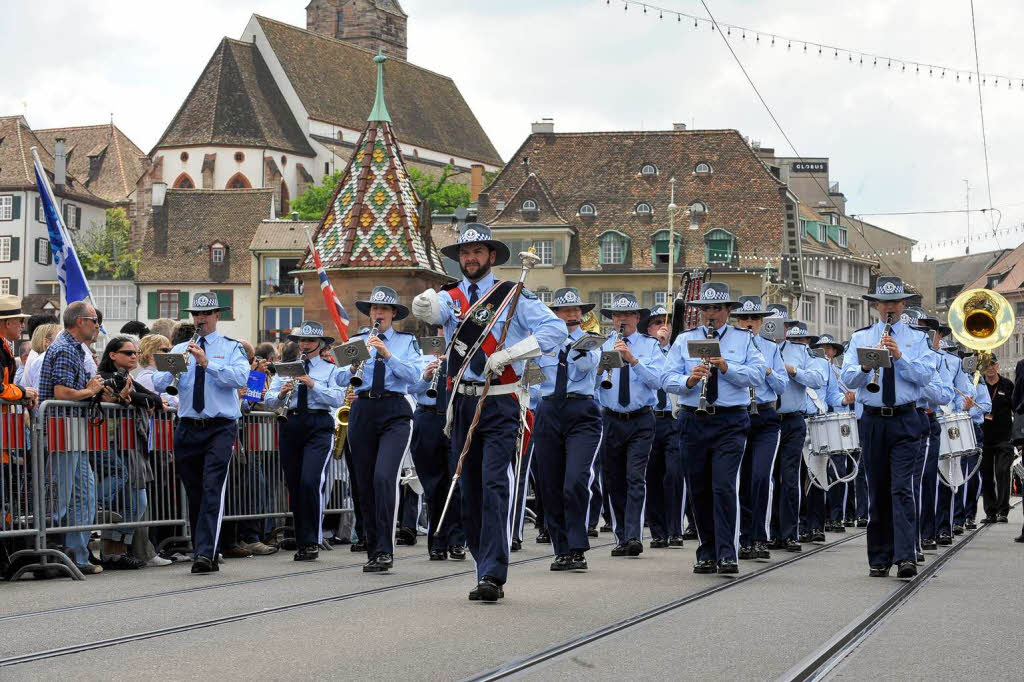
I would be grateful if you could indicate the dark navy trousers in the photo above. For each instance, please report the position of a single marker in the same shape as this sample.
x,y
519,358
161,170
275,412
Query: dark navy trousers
x,y
930,481
596,496
837,494
202,451
664,480
861,488
566,443
528,476
435,463
892,449
786,476
378,434
487,479
714,446
756,476
306,445
357,511
626,449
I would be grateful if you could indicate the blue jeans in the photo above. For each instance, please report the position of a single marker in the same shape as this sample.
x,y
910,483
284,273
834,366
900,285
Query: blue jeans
x,y
76,486
114,493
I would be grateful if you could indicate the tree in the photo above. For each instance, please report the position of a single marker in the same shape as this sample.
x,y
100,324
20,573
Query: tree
x,y
444,196
106,253
312,204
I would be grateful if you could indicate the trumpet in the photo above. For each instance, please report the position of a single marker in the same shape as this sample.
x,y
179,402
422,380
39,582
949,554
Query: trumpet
x,y
357,375
606,383
702,404
432,389
872,385
173,388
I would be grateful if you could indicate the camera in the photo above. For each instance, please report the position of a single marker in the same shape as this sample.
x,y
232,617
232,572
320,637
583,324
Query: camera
x,y
115,383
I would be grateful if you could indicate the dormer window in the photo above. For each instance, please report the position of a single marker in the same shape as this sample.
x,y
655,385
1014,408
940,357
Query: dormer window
x,y
844,241
217,253
648,169
529,205
643,209
612,248
702,168
822,232
587,210
719,246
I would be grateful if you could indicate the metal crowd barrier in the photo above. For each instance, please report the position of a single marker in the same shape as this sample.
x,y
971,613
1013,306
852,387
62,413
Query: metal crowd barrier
x,y
102,467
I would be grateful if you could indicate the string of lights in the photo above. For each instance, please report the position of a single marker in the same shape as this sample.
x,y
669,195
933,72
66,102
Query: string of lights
x,y
850,56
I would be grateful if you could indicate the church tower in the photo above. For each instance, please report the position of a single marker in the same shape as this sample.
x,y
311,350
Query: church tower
x,y
377,25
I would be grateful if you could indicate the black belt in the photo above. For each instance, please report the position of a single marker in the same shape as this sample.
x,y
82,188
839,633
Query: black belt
x,y
628,415
663,414
770,405
295,411
432,409
786,415
367,395
206,422
572,396
897,411
717,409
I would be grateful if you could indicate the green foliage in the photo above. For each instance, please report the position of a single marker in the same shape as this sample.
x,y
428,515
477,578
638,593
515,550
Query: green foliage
x,y
444,196
312,204
106,253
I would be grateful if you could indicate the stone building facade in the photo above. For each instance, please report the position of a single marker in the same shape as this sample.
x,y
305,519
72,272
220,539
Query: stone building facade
x,y
372,24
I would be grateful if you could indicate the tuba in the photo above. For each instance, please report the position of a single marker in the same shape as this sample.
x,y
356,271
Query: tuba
x,y
590,323
982,320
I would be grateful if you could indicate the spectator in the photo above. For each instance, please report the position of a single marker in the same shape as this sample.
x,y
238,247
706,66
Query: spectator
x,y
42,337
30,328
266,351
162,326
183,332
148,347
64,377
12,321
290,352
135,328
997,455
24,348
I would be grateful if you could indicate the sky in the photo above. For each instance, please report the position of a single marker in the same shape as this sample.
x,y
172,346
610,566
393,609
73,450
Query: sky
x,y
896,141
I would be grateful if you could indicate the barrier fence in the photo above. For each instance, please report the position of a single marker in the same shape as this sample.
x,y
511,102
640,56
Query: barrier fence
x,y
69,469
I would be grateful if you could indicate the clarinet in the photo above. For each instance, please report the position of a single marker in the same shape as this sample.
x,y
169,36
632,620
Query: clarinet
x,y
873,385
702,405
753,391
432,389
282,411
606,383
357,376
173,388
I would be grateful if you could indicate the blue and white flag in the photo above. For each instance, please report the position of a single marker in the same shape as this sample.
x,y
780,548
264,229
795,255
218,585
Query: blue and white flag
x,y
65,259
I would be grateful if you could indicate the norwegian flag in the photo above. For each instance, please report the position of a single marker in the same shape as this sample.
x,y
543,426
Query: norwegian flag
x,y
334,306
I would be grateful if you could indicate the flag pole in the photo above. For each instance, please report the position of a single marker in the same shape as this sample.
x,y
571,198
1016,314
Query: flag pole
x,y
330,304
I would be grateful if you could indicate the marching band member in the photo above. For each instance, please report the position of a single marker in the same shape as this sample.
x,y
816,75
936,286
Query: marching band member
x,y
629,421
891,427
837,399
763,439
208,413
474,315
527,478
666,485
713,441
307,437
804,373
567,436
812,504
945,506
966,509
380,422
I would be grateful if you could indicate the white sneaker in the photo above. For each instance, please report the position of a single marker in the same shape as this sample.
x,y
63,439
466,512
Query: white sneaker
x,y
159,561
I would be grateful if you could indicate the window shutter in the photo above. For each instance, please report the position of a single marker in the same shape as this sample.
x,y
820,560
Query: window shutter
x,y
64,213
15,247
559,252
36,256
78,217
514,247
152,305
225,297
183,302
16,211
40,218
14,287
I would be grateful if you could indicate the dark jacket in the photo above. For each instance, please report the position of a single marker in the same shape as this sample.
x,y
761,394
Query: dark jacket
x,y
998,424
1018,387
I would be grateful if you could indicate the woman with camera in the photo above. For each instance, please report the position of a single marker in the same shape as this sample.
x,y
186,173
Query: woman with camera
x,y
121,471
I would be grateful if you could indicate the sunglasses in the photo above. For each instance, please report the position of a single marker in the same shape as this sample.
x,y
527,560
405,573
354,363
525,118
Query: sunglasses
x,y
717,306
165,350
747,317
129,353
94,320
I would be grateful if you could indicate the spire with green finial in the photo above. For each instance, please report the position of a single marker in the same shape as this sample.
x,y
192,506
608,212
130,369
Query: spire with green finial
x,y
380,109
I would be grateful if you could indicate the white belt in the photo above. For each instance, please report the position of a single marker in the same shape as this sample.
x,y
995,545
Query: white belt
x,y
495,389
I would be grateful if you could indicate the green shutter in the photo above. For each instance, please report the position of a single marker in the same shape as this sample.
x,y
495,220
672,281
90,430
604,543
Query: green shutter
x,y
78,217
152,305
14,287
183,302
15,246
225,298
559,258
16,208
514,247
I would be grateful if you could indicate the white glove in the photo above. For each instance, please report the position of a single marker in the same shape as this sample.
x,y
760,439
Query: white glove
x,y
426,307
525,349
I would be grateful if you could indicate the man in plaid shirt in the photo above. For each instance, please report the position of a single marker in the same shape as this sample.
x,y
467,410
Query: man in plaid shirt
x,y
64,377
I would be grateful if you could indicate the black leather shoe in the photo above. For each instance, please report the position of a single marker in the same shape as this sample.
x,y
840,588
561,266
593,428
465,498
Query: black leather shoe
x,y
728,566
675,541
385,561
805,537
862,523
620,550
1019,538
793,546
288,544
818,536
659,543
929,545
204,564
592,533
516,545
543,538
474,594
606,528
690,533
920,558
577,560
777,543
358,546
747,553
488,590
838,527
989,519
849,523
879,571
971,525
705,566
374,565
561,563
307,553
405,536
906,569
1002,519
944,540
335,540
438,555
457,552
761,551
634,548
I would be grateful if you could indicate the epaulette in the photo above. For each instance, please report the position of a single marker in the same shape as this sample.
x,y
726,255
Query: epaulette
x,y
863,328
450,285
526,293
404,333
743,329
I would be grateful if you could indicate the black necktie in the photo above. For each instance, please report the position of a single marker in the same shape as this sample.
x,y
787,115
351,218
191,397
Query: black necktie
x,y
889,387
474,293
624,383
304,391
662,400
377,387
199,386
713,381
562,376
479,360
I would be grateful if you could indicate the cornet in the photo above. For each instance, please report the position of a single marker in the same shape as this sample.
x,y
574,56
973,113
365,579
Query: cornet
x,y
606,383
357,375
872,385
173,388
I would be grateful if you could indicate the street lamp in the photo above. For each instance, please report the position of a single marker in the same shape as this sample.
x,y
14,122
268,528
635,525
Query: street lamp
x,y
672,208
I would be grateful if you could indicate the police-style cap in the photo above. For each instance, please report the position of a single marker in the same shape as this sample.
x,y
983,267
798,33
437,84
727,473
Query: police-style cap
x,y
477,233
382,295
569,297
888,289
751,305
625,303
311,330
205,302
713,293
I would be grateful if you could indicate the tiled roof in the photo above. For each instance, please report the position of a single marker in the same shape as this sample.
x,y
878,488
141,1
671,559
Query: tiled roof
x,y
604,169
966,268
535,189
16,167
282,235
196,218
1010,267
335,81
120,160
236,102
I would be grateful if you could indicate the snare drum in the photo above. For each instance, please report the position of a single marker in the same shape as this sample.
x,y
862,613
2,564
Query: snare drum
x,y
834,433
956,438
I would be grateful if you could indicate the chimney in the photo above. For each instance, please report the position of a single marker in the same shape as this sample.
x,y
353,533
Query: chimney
x,y
546,126
678,126
294,215
60,165
476,181
159,194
